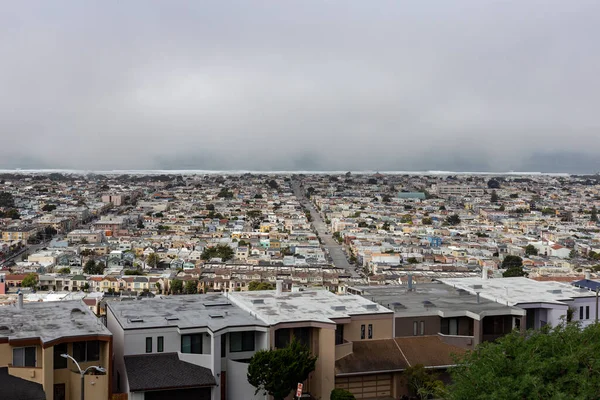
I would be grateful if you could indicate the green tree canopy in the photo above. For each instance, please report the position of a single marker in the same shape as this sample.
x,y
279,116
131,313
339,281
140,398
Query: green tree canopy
x,y
191,287
552,363
341,394
176,286
30,280
221,251
513,266
277,372
49,207
6,200
255,285
530,250
494,197
453,219
152,260
93,268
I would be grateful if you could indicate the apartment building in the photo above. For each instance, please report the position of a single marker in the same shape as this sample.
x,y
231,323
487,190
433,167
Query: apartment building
x,y
458,190
453,315
196,344
544,302
33,336
19,233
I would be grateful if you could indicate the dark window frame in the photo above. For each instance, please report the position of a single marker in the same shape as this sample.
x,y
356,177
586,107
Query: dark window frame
x,y
362,332
86,351
26,359
245,339
195,346
59,361
149,344
339,334
160,344
587,312
370,331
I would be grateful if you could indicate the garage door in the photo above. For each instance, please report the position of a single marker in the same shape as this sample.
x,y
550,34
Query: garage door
x,y
366,386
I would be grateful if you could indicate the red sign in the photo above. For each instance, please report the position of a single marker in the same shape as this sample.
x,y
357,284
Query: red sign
x,y
299,390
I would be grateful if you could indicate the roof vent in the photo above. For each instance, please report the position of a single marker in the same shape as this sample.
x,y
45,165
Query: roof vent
x,y
555,291
172,318
136,320
338,308
462,292
477,286
398,306
214,316
428,304
370,306
216,304
257,301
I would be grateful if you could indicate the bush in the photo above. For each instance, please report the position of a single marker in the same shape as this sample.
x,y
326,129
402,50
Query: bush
x,y
341,394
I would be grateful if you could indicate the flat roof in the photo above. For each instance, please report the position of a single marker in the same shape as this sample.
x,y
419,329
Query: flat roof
x,y
212,311
49,321
308,305
519,290
434,299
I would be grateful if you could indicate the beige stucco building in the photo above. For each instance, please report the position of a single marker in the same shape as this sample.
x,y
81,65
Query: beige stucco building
x,y
34,335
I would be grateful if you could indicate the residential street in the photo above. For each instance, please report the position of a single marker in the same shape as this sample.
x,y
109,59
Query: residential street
x,y
334,249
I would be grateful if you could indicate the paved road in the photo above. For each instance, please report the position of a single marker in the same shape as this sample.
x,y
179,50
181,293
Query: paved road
x,y
336,252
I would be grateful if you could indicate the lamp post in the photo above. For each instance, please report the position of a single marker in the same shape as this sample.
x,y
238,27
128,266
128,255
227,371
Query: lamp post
x,y
83,372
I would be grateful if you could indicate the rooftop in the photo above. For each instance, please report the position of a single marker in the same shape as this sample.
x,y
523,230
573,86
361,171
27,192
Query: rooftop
x,y
49,321
314,305
213,311
519,290
434,299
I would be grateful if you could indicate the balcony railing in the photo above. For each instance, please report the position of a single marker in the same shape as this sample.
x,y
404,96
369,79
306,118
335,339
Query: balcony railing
x,y
344,349
33,374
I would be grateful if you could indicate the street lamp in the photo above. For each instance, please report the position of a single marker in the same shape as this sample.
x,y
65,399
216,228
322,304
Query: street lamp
x,y
83,372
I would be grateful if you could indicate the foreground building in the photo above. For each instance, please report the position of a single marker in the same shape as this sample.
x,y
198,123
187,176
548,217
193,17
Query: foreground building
x,y
33,337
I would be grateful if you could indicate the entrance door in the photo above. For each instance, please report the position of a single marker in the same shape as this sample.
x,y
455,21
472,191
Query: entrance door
x,y
59,391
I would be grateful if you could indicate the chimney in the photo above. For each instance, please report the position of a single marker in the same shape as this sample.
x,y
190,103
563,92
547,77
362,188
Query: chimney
x,y
20,301
278,287
588,275
409,282
484,273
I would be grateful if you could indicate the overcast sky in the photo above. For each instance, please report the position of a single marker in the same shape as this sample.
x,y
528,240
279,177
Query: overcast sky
x,y
383,85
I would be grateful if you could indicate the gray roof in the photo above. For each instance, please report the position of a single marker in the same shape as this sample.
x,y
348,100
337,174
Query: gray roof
x,y
49,321
213,311
444,300
14,388
164,371
310,305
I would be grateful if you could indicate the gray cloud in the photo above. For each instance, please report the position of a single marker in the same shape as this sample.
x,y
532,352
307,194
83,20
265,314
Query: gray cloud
x,y
300,85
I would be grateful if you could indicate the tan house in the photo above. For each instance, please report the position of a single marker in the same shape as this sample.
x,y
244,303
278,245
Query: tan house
x,y
33,337
19,233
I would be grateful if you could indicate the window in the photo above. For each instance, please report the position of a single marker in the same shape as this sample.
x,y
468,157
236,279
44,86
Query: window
x,y
191,344
86,351
362,331
160,344
24,357
302,335
148,345
580,312
370,331
339,334
415,328
223,345
60,362
422,328
282,338
587,312
241,341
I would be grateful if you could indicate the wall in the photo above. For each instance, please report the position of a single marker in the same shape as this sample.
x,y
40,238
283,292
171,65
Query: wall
x,y
5,354
382,327
237,383
404,326
323,378
33,374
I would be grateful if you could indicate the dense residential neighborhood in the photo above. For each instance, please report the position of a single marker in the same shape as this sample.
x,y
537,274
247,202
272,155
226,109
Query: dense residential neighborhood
x,y
147,278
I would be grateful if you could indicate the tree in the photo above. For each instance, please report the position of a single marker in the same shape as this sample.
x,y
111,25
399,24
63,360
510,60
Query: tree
x,y
423,383
49,207
386,199
530,250
453,219
13,213
277,372
255,285
210,207
552,363
191,287
222,251
273,184
93,268
50,231
31,280
494,197
65,270
513,266
341,394
176,286
594,214
152,260
427,221
493,184
140,224
6,200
